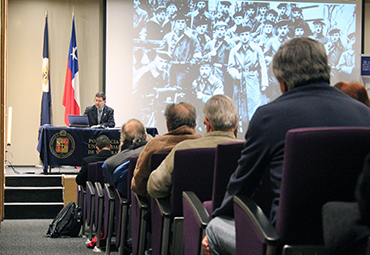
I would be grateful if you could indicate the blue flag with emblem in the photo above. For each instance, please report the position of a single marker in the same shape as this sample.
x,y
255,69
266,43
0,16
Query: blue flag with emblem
x,y
46,95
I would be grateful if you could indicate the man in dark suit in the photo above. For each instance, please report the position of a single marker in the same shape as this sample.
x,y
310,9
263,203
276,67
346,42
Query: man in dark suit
x,y
100,115
302,70
103,152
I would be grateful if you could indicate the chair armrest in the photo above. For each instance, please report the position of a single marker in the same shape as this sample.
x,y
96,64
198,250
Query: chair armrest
x,y
260,222
90,187
164,207
200,213
142,204
99,189
304,250
109,190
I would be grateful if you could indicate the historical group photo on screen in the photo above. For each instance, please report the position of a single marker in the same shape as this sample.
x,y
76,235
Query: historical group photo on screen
x,y
190,50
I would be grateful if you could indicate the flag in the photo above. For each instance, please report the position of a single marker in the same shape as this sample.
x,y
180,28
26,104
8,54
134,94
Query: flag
x,y
46,95
71,97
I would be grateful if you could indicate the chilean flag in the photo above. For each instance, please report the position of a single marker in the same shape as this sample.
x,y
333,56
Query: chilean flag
x,y
71,97
46,94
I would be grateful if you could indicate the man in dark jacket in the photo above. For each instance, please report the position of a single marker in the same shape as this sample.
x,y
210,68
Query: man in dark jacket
x,y
103,152
100,115
308,100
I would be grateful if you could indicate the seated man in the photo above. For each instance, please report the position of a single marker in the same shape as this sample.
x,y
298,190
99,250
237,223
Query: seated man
x,y
133,136
301,67
100,115
220,118
181,122
103,152
346,225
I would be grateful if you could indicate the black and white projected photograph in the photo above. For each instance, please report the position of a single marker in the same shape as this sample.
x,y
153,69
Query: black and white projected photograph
x,y
167,51
191,50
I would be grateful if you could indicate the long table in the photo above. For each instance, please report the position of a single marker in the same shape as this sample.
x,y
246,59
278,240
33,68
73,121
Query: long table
x,y
68,146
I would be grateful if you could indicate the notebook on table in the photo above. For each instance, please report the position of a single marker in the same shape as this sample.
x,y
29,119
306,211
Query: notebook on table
x,y
78,121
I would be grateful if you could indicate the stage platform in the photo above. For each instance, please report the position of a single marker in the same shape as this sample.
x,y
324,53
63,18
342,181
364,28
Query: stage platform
x,y
38,170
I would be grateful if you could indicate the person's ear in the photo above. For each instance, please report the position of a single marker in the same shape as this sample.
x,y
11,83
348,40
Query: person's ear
x,y
283,86
167,126
208,125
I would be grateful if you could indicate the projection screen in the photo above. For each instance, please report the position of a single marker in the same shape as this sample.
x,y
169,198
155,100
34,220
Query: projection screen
x,y
164,51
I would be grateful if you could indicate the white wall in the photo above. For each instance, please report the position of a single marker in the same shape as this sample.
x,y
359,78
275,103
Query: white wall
x,y
367,29
25,44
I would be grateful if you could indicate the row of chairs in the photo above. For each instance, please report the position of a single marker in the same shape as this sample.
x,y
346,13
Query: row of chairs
x,y
320,165
193,171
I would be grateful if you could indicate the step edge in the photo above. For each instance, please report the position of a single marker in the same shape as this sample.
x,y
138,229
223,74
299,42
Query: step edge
x,y
33,187
33,175
38,203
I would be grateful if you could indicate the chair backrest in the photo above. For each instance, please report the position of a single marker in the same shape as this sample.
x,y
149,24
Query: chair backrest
x,y
320,165
95,173
118,215
137,212
226,161
157,159
130,173
109,197
193,171
91,172
227,156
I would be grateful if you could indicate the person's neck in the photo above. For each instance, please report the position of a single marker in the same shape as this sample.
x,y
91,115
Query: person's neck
x,y
179,32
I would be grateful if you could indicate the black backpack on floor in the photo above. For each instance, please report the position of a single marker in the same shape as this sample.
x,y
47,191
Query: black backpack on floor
x,y
67,223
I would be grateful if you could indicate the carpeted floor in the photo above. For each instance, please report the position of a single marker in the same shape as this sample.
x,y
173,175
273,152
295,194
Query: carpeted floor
x,y
29,237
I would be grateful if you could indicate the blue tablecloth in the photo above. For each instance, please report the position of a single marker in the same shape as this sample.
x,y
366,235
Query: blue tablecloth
x,y
68,146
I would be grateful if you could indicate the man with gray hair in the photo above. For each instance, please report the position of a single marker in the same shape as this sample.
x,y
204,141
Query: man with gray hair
x,y
220,118
301,68
133,140
180,122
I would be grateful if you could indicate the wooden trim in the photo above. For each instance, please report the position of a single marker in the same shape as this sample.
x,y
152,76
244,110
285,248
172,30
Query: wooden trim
x,y
3,103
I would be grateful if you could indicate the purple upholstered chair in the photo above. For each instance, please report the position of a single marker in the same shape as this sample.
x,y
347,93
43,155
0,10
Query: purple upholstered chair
x,y
99,210
193,171
196,214
140,207
320,165
94,174
81,202
116,213
109,213
122,221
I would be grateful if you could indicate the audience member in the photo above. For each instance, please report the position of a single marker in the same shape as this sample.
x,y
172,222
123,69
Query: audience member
x,y
100,115
181,122
220,118
346,225
308,100
103,152
133,137
355,90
